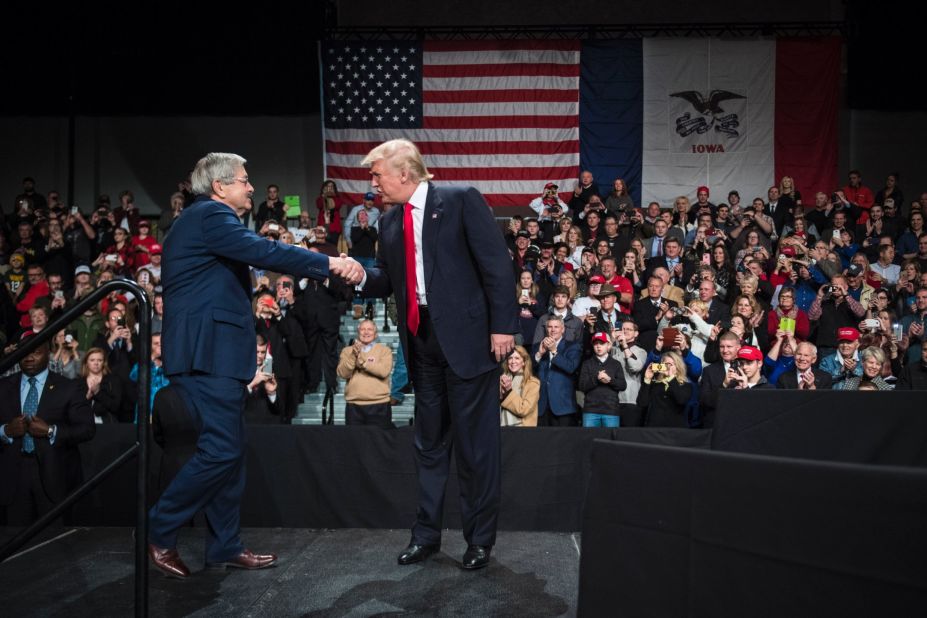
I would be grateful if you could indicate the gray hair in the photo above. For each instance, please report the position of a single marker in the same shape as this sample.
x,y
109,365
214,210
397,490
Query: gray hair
x,y
809,345
873,352
219,166
401,155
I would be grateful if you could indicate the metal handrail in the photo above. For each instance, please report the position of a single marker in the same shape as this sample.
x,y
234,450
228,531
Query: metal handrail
x,y
139,449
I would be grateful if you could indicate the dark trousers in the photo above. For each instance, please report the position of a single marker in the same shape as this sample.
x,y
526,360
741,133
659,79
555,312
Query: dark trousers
x,y
214,478
565,420
376,414
632,415
463,415
30,501
323,357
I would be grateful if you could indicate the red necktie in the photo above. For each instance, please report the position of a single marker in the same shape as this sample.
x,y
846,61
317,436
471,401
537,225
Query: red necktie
x,y
408,229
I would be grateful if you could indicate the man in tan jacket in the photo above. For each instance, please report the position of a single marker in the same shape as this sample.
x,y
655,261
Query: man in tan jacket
x,y
367,366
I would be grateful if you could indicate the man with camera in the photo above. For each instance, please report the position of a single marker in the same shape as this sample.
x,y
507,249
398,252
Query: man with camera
x,y
714,375
833,309
745,371
261,406
648,312
549,207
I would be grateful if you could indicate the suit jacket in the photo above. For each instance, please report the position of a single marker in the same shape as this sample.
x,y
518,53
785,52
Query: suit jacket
x,y
558,379
789,379
62,403
709,386
783,214
468,276
208,325
645,316
670,292
718,311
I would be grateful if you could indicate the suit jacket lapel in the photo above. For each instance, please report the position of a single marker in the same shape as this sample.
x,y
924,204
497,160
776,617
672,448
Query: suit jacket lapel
x,y
430,226
47,395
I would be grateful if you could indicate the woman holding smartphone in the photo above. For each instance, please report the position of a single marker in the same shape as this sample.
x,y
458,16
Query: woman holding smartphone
x,y
530,306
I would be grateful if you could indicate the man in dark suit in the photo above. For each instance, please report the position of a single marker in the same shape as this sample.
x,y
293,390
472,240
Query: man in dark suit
x,y
445,257
780,208
209,344
648,312
717,310
805,376
43,418
557,361
713,377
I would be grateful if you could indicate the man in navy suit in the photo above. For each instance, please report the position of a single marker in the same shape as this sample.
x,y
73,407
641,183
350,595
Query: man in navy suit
x,y
209,342
43,418
557,361
445,257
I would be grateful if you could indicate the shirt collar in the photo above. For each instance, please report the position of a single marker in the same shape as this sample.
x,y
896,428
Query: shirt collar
x,y
40,379
418,198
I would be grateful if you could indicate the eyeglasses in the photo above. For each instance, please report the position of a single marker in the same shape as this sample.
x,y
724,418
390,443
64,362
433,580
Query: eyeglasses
x,y
243,180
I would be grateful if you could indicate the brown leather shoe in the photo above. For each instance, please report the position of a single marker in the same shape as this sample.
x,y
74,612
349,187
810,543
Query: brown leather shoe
x,y
168,561
247,560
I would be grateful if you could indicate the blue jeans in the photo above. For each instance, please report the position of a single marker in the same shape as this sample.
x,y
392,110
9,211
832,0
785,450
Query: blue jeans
x,y
600,420
400,376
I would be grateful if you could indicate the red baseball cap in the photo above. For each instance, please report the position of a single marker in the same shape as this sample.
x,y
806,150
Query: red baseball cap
x,y
155,249
603,337
550,185
847,333
702,188
596,279
748,352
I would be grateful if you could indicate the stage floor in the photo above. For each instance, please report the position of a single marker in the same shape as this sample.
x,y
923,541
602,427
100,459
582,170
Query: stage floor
x,y
349,572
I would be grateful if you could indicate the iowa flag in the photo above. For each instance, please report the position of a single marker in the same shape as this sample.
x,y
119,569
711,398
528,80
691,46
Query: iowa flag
x,y
666,115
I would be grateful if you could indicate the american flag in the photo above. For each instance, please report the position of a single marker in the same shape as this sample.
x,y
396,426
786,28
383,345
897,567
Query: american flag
x,y
502,116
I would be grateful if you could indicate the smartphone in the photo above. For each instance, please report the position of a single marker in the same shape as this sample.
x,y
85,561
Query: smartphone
x,y
658,367
268,365
120,321
74,210
706,258
59,294
836,235
69,338
111,257
897,331
525,293
273,227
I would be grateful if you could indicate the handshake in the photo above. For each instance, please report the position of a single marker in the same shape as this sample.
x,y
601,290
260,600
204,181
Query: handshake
x,y
347,268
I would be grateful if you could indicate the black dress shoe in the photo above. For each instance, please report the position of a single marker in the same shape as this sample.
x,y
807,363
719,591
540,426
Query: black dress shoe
x,y
476,557
416,553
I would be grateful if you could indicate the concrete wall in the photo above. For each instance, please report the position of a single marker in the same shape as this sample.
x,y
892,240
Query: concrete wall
x,y
150,155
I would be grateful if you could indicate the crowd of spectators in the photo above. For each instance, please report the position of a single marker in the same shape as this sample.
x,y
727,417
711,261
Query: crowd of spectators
x,y
629,314
641,314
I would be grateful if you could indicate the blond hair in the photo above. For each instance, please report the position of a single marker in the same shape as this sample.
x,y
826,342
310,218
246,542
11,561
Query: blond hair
x,y
401,155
